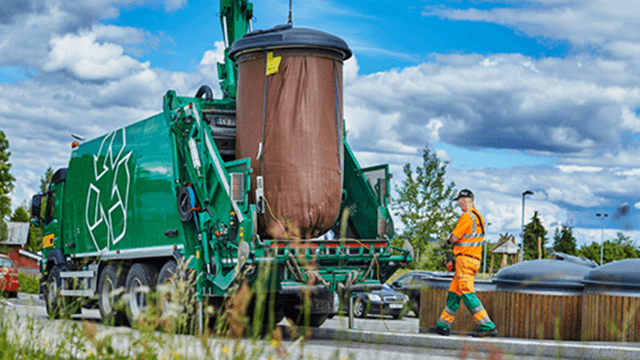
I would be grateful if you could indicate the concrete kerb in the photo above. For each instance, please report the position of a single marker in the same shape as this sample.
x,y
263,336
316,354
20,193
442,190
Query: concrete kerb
x,y
521,347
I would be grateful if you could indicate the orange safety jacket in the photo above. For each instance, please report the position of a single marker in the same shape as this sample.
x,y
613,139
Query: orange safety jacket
x,y
470,230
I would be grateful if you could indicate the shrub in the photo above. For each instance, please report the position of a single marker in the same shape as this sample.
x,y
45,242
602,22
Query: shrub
x,y
29,284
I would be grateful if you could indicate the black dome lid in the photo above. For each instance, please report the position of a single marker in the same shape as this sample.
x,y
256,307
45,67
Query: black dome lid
x,y
574,259
542,276
621,276
285,36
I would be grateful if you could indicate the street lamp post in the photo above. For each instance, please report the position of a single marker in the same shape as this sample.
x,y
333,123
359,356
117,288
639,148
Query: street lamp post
x,y
528,192
484,270
602,216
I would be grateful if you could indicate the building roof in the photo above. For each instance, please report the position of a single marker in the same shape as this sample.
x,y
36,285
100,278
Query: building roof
x,y
18,234
506,247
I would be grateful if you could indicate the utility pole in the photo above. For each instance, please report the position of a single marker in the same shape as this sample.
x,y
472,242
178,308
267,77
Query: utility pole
x,y
484,270
602,216
528,192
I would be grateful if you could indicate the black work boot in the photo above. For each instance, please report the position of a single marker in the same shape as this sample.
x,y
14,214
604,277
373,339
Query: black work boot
x,y
437,330
488,333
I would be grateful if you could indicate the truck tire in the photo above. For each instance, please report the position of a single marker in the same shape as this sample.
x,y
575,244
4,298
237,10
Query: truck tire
x,y
140,282
54,301
112,279
298,318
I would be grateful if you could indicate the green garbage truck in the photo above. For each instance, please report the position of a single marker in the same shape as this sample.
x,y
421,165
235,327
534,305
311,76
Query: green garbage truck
x,y
249,182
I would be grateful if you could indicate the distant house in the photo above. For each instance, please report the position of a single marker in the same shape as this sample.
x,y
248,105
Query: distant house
x,y
13,247
507,246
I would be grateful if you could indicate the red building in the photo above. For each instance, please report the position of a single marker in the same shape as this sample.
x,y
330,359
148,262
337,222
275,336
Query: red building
x,y
13,247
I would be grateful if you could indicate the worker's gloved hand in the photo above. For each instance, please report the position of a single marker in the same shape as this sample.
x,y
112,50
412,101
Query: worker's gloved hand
x,y
450,265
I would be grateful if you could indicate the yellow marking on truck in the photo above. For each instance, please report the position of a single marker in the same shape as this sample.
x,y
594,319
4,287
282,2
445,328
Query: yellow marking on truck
x,y
48,240
197,254
241,233
273,63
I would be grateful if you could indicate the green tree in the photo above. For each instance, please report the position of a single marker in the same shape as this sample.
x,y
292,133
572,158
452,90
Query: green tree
x,y
45,180
564,241
426,208
619,248
6,184
20,215
532,232
616,249
591,251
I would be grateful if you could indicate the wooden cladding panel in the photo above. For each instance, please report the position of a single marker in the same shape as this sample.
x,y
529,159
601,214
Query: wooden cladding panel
x,y
610,318
520,315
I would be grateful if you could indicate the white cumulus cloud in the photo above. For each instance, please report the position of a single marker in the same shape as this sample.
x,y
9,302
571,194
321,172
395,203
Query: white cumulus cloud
x,y
86,59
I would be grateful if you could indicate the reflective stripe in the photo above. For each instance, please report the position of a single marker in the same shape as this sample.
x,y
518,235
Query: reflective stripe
x,y
447,317
483,321
480,316
472,236
449,311
469,244
477,309
445,322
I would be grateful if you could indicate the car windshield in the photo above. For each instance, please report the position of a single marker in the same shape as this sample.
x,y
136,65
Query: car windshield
x,y
5,263
387,287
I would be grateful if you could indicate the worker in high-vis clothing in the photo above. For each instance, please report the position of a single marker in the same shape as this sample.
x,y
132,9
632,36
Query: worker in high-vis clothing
x,y
467,239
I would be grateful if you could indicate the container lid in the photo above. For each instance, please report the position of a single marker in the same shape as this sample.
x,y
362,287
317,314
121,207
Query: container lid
x,y
285,36
620,277
541,277
574,259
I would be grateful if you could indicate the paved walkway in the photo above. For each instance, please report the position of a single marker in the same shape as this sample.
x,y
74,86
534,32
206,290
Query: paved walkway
x,y
405,332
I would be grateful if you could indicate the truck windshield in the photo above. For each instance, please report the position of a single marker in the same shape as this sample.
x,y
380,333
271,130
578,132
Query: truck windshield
x,y
51,201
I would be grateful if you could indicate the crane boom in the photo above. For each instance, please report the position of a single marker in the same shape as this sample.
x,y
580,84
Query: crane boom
x,y
235,19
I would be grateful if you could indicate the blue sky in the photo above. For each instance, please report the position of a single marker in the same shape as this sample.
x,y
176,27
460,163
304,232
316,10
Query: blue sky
x,y
534,95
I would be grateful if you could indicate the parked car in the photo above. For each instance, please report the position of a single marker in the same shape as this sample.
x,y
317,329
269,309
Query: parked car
x,y
412,283
8,277
387,300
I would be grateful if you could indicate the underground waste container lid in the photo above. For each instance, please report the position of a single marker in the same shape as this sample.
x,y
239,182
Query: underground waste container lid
x,y
542,276
286,36
618,276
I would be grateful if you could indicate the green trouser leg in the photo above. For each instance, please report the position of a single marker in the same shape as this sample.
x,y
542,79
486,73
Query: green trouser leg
x,y
453,302
475,306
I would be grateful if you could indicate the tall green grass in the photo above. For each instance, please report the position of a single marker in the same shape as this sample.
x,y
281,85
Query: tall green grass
x,y
168,329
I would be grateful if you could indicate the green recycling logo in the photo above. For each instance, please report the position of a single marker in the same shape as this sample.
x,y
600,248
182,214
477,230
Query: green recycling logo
x,y
108,193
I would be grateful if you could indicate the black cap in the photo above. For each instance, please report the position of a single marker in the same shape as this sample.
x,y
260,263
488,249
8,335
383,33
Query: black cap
x,y
464,193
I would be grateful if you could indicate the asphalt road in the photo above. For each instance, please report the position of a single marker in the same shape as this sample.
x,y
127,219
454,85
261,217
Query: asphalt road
x,y
368,339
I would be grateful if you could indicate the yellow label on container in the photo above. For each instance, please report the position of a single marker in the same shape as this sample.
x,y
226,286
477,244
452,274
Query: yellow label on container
x,y
273,63
241,233
48,240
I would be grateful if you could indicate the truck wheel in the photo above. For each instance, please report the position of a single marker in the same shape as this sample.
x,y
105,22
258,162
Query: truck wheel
x,y
141,280
110,286
298,317
168,295
54,301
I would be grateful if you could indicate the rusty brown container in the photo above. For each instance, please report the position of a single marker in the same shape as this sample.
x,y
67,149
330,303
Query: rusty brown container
x,y
289,122
539,299
433,298
611,302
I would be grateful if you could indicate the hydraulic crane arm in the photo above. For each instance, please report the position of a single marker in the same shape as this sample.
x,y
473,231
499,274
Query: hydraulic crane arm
x,y
235,18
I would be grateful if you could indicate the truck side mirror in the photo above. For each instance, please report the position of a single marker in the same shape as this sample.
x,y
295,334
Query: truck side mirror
x,y
36,208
